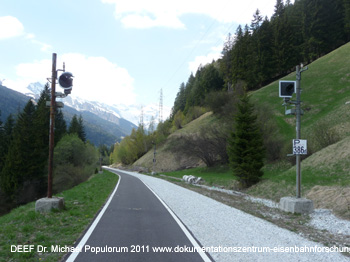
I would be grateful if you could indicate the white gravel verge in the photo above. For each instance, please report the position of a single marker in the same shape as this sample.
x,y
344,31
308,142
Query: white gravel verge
x,y
322,219
217,225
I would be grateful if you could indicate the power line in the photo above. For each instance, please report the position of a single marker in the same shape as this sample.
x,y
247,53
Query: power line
x,y
196,45
188,56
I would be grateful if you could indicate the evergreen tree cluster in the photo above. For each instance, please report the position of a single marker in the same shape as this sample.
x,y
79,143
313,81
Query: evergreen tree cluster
x,y
206,80
24,150
24,147
270,48
77,127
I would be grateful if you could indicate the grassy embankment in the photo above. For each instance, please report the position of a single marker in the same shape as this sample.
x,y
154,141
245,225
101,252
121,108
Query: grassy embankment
x,y
325,174
24,226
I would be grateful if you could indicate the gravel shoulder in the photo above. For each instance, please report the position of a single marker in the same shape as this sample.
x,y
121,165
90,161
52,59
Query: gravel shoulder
x,y
235,220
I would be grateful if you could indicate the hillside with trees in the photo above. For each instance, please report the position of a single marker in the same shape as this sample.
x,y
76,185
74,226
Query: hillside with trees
x,y
269,49
255,56
325,125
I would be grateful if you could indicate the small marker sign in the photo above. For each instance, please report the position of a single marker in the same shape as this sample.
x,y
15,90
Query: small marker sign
x,y
299,147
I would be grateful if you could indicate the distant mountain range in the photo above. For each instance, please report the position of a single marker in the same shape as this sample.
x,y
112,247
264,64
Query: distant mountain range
x,y
103,124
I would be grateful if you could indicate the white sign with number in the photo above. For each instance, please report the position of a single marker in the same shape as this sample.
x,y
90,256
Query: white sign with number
x,y
299,147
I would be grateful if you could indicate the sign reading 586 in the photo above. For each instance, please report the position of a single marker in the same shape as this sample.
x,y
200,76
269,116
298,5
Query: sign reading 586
x,y
299,147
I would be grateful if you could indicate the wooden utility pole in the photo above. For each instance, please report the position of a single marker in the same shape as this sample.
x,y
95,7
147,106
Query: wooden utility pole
x,y
52,125
66,82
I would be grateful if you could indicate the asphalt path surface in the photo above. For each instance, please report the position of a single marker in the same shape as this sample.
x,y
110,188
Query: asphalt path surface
x,y
134,223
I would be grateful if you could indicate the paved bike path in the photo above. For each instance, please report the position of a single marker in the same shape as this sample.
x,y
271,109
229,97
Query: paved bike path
x,y
135,220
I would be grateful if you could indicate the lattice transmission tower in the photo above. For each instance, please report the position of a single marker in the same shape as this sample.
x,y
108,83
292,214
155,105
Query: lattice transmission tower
x,y
160,115
141,124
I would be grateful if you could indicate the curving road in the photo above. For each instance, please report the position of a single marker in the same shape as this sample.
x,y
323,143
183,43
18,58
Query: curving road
x,y
132,225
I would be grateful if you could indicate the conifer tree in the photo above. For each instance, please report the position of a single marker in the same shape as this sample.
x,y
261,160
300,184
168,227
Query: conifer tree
x,y
5,138
245,149
18,165
188,93
346,4
2,142
24,153
77,127
180,100
81,132
226,63
74,125
60,126
41,123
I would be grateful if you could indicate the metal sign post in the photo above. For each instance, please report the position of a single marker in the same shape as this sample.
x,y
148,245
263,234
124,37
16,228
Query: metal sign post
x,y
298,121
297,112
298,204
286,90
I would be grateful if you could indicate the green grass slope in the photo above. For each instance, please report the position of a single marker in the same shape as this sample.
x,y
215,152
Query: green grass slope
x,y
325,90
325,174
24,226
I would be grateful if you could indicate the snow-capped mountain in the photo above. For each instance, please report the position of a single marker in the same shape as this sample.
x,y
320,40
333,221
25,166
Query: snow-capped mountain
x,y
33,90
114,113
104,124
104,111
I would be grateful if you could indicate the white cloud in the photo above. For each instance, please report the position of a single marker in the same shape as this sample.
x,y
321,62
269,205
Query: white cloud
x,y
203,60
151,13
44,47
95,78
10,27
143,21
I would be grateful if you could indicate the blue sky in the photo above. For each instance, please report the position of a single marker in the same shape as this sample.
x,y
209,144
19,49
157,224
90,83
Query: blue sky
x,y
120,52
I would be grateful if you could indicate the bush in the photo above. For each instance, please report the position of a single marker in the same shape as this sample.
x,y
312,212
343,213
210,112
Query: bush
x,y
217,101
224,103
209,145
273,140
74,162
193,113
127,151
178,121
163,131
